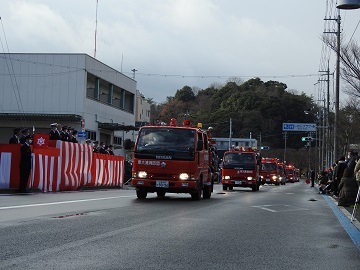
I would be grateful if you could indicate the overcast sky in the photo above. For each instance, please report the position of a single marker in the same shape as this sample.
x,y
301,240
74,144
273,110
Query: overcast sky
x,y
201,41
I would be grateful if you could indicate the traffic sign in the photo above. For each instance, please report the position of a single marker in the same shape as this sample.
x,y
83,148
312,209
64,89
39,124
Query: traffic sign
x,y
82,135
307,127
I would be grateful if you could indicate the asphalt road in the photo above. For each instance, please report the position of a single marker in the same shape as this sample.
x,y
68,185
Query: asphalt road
x,y
279,227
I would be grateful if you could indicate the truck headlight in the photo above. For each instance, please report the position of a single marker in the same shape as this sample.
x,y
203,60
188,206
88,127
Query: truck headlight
x,y
184,176
226,177
142,174
274,177
249,178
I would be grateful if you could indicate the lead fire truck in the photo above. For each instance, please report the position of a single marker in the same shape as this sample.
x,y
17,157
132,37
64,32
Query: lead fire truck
x,y
241,168
173,159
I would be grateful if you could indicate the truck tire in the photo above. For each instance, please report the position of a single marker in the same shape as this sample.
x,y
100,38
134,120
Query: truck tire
x,y
196,195
224,187
231,187
141,194
161,194
207,192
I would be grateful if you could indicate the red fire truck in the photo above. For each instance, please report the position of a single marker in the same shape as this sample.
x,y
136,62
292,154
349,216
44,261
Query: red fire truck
x,y
290,174
241,168
174,159
270,171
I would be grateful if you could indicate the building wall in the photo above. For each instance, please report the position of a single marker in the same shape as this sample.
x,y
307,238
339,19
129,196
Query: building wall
x,y
60,84
142,108
42,83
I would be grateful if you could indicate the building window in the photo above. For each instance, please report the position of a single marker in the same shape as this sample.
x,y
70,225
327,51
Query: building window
x,y
91,135
117,140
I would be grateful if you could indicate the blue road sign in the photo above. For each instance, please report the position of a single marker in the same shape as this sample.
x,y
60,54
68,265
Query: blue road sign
x,y
299,127
82,135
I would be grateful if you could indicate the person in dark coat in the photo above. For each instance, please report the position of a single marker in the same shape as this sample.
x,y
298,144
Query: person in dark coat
x,y
338,173
96,147
312,177
15,137
65,134
24,134
348,188
111,150
73,137
54,134
25,163
102,149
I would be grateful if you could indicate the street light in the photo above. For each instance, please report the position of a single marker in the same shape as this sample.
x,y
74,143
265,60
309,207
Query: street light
x,y
348,4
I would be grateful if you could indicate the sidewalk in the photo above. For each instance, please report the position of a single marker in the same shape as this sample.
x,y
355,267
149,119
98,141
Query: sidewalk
x,y
347,211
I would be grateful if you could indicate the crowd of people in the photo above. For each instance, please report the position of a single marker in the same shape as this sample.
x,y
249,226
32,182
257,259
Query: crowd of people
x,y
101,148
63,133
342,180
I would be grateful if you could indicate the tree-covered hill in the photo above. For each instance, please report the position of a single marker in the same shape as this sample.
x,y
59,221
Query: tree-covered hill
x,y
253,106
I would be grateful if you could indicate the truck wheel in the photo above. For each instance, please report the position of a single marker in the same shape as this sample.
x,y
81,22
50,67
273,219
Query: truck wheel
x,y
141,194
197,195
224,187
231,187
161,194
254,188
207,192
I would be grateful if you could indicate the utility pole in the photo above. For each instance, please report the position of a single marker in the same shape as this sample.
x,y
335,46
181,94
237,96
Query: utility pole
x,y
230,135
337,86
325,146
285,137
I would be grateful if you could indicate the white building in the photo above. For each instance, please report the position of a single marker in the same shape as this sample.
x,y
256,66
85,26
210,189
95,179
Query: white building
x,y
37,89
142,117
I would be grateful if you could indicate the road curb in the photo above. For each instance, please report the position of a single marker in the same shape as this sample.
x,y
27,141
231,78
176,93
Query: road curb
x,y
355,222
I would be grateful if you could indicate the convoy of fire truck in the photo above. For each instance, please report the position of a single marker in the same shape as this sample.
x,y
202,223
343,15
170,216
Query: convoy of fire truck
x,y
183,159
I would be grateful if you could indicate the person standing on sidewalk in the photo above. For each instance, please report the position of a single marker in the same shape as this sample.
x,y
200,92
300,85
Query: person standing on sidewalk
x,y
25,163
312,177
348,188
338,173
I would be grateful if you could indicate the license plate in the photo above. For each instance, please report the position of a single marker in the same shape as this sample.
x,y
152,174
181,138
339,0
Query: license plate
x,y
250,183
162,184
238,182
267,180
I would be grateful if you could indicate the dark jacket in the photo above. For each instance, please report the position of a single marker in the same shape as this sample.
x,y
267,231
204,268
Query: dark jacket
x,y
54,135
14,140
339,170
25,159
348,189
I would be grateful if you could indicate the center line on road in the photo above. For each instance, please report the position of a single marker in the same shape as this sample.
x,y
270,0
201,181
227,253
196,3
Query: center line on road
x,y
64,202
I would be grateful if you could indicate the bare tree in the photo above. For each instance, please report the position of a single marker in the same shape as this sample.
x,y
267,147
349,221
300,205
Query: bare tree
x,y
350,60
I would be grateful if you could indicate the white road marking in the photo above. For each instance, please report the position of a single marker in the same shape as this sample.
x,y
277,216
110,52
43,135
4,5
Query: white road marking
x,y
265,208
64,202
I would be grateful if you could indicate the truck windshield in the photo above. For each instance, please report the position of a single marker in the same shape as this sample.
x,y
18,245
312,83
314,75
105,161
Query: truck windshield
x,y
239,161
269,167
173,143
